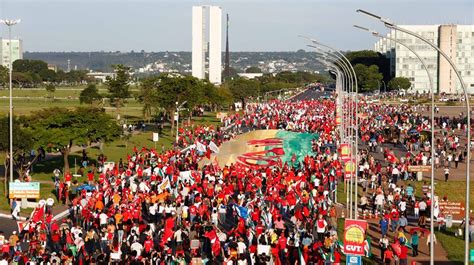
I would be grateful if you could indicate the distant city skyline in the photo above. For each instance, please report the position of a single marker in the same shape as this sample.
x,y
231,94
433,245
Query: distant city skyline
x,y
256,25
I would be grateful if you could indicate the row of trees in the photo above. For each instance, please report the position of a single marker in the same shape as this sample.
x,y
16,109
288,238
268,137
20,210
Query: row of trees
x,y
372,70
241,88
54,130
159,94
34,73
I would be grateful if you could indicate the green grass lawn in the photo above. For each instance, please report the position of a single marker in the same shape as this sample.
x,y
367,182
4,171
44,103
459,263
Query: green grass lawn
x,y
25,106
115,150
453,245
454,190
208,118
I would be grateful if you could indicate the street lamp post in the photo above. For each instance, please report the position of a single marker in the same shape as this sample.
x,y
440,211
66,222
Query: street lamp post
x,y
336,63
10,23
356,129
430,78
391,25
178,108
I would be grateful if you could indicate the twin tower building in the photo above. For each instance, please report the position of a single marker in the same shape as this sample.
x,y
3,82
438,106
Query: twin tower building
x,y
207,43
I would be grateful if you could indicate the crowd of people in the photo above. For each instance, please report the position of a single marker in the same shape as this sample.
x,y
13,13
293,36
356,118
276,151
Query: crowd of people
x,y
401,135
162,207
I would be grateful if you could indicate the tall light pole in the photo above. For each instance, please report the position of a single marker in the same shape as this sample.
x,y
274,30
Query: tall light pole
x,y
337,63
356,103
178,108
430,78
391,25
10,23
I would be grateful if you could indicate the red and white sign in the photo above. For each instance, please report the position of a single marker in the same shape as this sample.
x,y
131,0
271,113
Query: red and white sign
x,y
354,237
345,151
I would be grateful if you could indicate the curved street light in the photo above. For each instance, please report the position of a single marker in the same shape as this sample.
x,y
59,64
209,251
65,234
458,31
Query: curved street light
x,y
356,138
391,25
10,23
336,63
430,78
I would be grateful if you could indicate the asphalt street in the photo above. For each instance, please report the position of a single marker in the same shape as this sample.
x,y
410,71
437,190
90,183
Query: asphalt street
x,y
311,94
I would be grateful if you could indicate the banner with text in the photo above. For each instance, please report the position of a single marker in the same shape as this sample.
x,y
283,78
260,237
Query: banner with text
x,y
28,190
354,237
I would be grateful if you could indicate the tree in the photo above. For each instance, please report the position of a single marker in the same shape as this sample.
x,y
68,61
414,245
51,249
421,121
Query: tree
x,y
167,89
242,89
51,89
253,70
3,76
233,73
118,85
29,66
398,83
148,97
22,143
368,78
58,129
368,58
22,79
89,95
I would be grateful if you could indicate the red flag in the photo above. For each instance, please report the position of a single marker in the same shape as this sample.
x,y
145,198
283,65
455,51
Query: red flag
x,y
38,214
169,224
20,225
216,244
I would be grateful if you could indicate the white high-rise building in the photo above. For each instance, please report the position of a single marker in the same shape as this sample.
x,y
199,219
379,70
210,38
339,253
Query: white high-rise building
x,y
17,51
457,41
207,37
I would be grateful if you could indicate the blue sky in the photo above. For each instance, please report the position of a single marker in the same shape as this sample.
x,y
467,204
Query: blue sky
x,y
256,25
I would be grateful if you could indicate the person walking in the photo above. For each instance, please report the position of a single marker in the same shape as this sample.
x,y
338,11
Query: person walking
x,y
403,257
431,238
383,242
415,239
446,174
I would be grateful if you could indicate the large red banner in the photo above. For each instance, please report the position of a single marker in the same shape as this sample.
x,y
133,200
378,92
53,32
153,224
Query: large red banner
x,y
354,237
349,169
345,151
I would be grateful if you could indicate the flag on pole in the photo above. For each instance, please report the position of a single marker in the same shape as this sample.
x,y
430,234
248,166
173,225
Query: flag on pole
x,y
161,173
208,153
216,244
164,185
21,225
200,147
300,257
214,148
242,211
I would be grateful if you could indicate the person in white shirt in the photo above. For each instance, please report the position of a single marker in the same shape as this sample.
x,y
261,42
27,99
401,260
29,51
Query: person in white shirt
x,y
446,174
395,174
49,204
136,246
241,247
103,219
379,201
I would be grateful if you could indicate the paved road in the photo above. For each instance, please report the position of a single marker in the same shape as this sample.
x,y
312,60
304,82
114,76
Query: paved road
x,y
311,94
